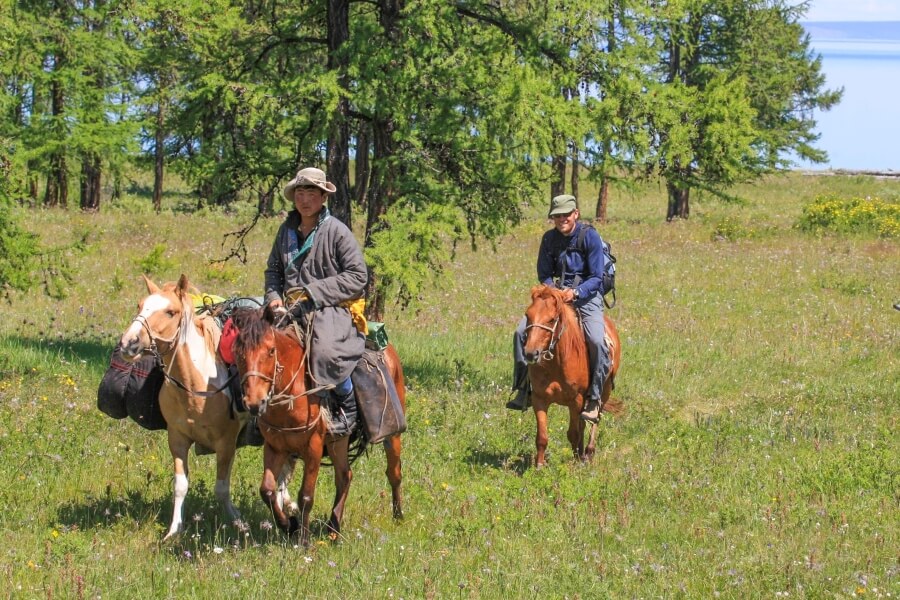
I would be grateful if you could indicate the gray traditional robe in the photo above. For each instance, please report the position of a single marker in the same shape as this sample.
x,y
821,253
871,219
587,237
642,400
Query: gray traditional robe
x,y
332,272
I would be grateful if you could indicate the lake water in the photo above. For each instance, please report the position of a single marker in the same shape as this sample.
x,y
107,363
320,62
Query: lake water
x,y
863,131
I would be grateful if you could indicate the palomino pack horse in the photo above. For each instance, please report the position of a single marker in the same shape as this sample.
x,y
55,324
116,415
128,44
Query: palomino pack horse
x,y
277,388
194,399
558,367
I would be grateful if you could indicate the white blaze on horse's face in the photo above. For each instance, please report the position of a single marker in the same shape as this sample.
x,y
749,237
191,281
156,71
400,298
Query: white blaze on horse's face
x,y
136,338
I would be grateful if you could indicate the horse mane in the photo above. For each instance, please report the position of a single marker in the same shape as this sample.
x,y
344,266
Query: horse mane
x,y
571,341
252,327
205,324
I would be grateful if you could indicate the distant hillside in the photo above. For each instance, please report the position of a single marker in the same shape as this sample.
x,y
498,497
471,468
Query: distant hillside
x,y
853,30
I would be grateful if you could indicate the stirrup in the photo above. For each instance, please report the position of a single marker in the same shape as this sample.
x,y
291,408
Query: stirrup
x,y
591,412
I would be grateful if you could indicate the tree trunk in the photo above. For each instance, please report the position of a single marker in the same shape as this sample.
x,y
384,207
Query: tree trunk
x,y
361,177
159,152
338,153
265,203
602,200
382,192
381,195
90,182
57,191
573,178
558,184
678,202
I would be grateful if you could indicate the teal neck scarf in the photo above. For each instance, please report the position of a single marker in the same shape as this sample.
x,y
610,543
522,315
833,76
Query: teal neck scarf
x,y
297,253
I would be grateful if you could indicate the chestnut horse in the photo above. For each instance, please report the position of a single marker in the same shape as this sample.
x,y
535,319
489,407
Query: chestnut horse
x,y
558,367
274,380
194,398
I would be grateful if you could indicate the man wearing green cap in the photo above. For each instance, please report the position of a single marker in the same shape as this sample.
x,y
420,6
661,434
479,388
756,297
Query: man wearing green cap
x,y
575,266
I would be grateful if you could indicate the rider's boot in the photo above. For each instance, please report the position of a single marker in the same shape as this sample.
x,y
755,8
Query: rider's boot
x,y
344,409
591,411
522,400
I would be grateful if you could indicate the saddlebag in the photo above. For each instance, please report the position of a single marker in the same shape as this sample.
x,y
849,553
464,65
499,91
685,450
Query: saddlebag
x,y
131,389
377,398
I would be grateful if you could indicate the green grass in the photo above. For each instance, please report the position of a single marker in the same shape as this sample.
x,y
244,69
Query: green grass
x,y
757,458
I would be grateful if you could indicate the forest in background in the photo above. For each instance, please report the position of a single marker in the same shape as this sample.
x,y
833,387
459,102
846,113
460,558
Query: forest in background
x,y
437,121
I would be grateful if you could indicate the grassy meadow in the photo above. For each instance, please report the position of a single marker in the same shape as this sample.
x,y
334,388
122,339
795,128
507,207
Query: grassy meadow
x,y
758,456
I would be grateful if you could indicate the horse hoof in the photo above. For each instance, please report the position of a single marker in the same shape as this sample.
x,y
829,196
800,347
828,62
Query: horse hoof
x,y
171,536
293,526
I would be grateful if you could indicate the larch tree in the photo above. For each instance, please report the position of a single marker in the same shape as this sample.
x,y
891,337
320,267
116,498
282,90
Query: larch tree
x,y
736,87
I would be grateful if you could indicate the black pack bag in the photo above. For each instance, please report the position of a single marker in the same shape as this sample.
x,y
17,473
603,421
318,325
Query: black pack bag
x,y
131,389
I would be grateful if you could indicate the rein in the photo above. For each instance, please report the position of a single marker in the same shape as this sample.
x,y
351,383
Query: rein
x,y
283,397
549,352
154,350
262,421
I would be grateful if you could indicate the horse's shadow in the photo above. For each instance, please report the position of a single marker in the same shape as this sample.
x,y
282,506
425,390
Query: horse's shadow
x,y
93,351
203,527
501,461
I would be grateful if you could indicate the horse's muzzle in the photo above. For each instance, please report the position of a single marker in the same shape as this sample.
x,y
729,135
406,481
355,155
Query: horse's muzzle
x,y
133,349
256,409
532,357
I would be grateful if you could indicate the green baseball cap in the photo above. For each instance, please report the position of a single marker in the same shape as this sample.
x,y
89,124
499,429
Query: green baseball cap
x,y
562,204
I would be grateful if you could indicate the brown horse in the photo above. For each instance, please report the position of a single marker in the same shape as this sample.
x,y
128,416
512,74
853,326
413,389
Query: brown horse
x,y
194,399
558,367
274,380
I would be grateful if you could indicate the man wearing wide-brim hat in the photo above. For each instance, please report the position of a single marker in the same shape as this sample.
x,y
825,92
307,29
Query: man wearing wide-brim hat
x,y
317,266
571,258
308,177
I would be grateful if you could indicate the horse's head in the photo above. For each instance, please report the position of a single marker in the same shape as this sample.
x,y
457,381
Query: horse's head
x,y
545,323
160,318
256,356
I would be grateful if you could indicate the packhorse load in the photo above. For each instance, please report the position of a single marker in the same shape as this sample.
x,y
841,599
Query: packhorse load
x,y
131,388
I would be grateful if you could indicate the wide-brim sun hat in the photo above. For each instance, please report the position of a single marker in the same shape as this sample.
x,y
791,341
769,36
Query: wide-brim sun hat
x,y
310,176
562,205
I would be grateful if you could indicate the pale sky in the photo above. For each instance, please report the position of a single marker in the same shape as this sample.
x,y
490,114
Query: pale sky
x,y
858,10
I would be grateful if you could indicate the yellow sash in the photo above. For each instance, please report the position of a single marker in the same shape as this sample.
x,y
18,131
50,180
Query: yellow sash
x,y
356,307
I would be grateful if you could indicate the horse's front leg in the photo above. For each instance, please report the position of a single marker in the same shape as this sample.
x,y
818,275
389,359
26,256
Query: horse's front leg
x,y
274,462
311,464
592,442
225,453
575,432
179,445
283,494
394,473
540,440
337,450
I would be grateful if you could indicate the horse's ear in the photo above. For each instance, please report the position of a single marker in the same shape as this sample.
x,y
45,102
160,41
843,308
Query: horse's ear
x,y
183,285
151,287
268,314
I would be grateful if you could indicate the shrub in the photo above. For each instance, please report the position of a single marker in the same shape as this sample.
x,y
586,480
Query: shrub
x,y
731,230
851,215
155,263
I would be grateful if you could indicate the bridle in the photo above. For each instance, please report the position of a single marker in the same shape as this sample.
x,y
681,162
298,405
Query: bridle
x,y
154,350
274,398
548,352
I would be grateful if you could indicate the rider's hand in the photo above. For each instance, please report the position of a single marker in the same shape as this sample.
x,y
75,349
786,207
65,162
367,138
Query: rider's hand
x,y
277,306
568,295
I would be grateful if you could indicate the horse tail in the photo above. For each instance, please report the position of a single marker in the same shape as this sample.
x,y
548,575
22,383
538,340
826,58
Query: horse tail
x,y
613,406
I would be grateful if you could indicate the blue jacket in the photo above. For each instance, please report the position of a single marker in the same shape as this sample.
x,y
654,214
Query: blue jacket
x,y
582,271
